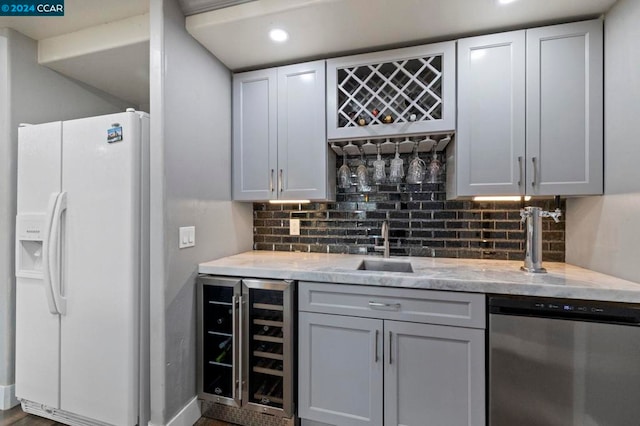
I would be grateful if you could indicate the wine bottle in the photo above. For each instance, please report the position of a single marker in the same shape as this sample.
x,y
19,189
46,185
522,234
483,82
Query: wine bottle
x,y
225,350
222,320
262,388
224,343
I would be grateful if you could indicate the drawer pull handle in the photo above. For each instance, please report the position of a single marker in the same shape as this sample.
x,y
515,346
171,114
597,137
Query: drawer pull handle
x,y
384,306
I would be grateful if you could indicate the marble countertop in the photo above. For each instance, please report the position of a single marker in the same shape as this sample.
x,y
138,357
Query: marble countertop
x,y
470,275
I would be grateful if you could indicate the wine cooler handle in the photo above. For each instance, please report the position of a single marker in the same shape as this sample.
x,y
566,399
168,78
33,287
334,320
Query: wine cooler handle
x,y
390,348
384,306
234,371
240,337
376,357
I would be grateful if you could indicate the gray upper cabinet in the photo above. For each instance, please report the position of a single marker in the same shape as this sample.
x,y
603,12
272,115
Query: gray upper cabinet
x,y
530,112
279,135
565,109
395,92
255,135
490,140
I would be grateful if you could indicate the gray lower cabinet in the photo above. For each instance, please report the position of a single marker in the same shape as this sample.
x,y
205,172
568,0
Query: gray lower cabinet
x,y
340,370
530,113
363,370
434,375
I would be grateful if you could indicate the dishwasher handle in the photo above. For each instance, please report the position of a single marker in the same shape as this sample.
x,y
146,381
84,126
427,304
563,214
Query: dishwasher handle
x,y
568,309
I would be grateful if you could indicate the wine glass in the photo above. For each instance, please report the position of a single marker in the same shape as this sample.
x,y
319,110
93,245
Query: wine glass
x,y
396,171
415,173
344,173
379,174
434,169
362,174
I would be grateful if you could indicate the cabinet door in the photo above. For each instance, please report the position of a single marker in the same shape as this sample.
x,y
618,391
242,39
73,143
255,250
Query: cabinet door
x,y
268,346
434,375
218,344
565,109
302,142
491,115
255,135
340,369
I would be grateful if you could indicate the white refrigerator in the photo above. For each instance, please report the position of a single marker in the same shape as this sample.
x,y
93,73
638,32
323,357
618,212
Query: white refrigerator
x,y
82,270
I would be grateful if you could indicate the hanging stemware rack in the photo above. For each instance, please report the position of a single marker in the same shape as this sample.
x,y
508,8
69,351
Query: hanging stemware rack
x,y
421,143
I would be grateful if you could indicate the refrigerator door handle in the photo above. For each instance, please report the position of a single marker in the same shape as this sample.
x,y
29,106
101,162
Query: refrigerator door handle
x,y
46,253
54,258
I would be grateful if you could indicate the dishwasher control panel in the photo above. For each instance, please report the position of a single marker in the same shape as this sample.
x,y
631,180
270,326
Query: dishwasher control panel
x,y
586,310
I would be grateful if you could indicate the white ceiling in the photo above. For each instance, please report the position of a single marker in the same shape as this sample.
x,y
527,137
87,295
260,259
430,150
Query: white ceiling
x,y
321,28
103,43
78,14
237,35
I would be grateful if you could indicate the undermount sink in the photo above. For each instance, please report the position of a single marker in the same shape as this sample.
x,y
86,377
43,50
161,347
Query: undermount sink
x,y
385,265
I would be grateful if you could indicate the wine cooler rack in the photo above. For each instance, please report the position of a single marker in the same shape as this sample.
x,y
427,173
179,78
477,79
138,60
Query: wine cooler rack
x,y
249,323
266,356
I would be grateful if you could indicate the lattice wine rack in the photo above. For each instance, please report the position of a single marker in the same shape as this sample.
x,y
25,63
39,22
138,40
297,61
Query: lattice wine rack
x,y
399,91
412,91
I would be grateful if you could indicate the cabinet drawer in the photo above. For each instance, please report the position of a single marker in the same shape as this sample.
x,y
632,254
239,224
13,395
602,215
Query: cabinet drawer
x,y
424,306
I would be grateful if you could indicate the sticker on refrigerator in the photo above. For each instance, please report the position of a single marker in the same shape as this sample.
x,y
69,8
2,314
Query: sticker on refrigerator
x,y
114,134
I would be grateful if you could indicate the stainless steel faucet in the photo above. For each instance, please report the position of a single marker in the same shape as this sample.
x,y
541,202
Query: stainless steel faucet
x,y
385,235
532,216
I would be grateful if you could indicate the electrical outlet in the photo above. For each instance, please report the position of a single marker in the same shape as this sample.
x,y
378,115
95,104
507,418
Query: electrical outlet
x,y
294,226
187,237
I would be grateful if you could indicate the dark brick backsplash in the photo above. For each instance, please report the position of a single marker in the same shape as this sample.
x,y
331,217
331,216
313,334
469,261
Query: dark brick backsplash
x,y
421,223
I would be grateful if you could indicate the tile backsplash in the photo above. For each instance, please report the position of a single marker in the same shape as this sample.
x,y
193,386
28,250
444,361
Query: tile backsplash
x,y
421,223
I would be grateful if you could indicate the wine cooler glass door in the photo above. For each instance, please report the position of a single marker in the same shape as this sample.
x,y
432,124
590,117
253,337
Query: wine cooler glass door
x,y
218,356
268,342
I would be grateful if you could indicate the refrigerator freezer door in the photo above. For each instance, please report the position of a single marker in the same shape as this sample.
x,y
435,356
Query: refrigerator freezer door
x,y
100,268
37,329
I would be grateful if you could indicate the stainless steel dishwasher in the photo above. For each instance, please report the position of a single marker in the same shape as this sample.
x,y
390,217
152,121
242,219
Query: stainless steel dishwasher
x,y
556,362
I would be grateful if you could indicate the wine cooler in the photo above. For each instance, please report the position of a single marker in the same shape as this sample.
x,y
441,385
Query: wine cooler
x,y
246,347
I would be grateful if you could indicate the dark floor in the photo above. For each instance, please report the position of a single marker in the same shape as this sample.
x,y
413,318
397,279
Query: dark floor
x,y
16,417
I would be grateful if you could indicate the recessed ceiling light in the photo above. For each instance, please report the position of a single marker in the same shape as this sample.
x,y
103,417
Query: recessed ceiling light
x,y
278,35
506,1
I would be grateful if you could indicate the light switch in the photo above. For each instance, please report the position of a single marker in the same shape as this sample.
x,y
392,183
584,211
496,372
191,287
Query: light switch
x,y
187,236
294,226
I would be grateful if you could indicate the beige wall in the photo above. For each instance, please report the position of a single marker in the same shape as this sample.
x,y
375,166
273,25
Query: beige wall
x,y
603,233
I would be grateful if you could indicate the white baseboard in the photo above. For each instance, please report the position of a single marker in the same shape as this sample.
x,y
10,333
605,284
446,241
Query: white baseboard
x,y
8,397
188,416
